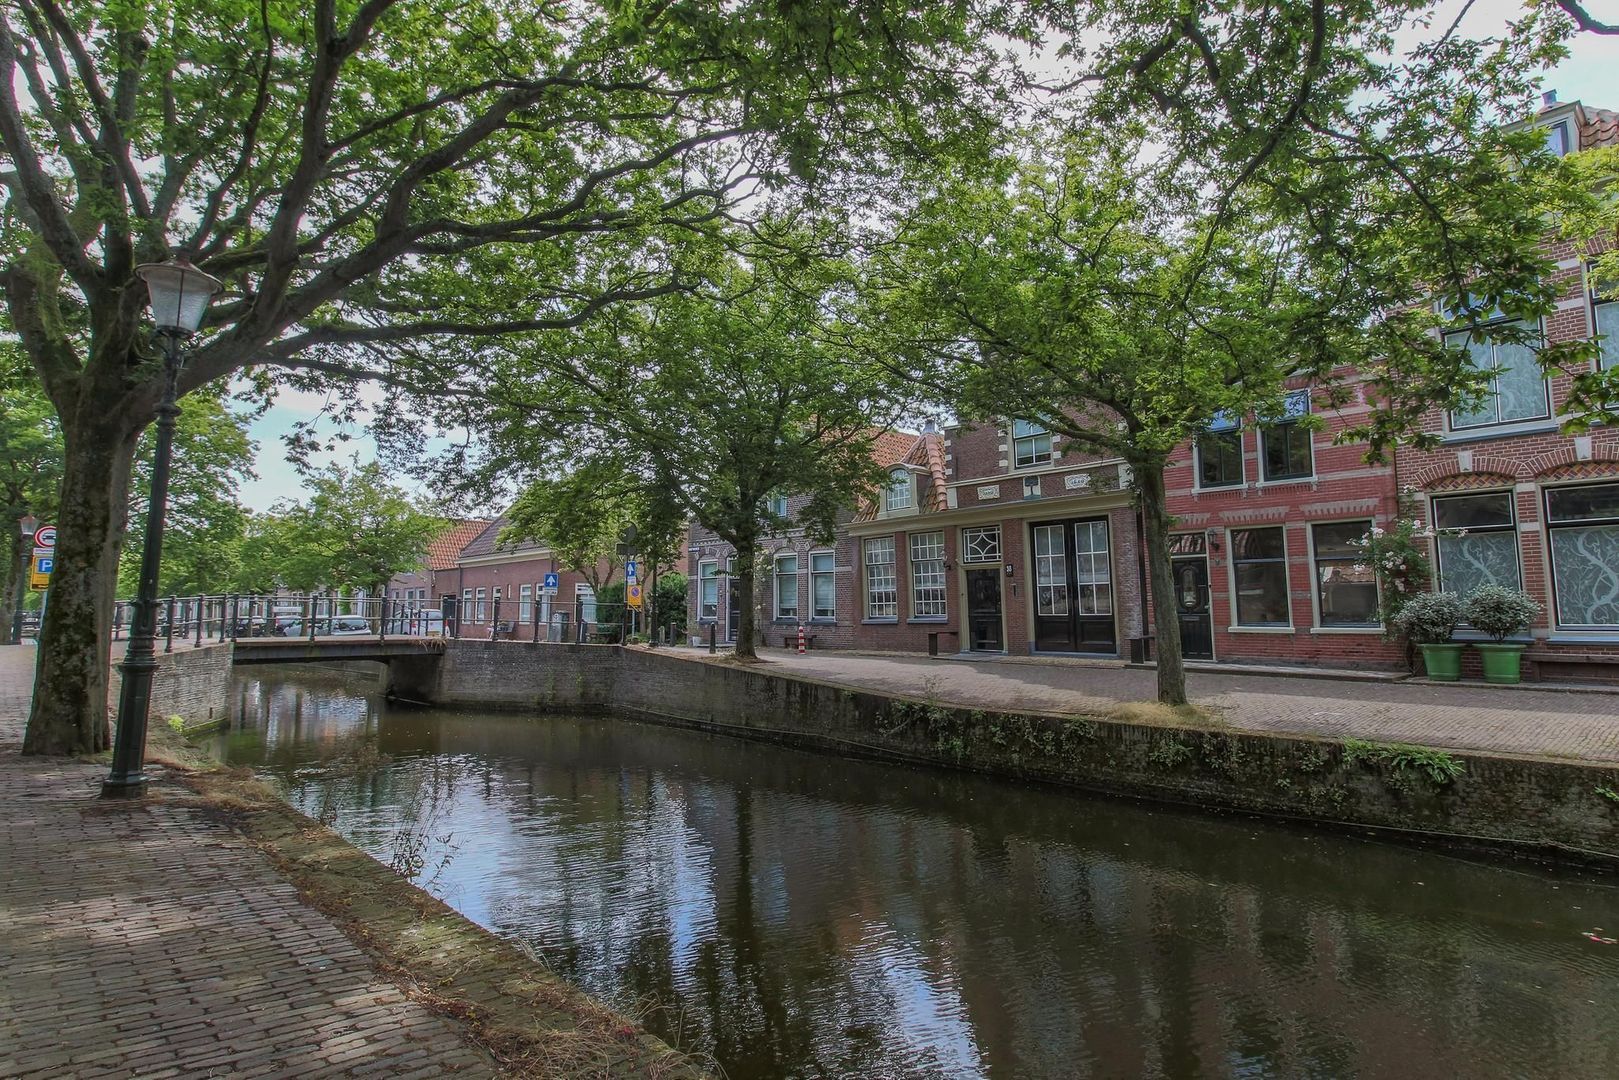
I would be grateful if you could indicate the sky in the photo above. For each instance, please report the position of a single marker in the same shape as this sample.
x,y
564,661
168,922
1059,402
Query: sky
x,y
1587,75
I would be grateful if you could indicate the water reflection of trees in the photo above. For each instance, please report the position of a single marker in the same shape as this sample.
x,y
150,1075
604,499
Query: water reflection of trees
x,y
806,916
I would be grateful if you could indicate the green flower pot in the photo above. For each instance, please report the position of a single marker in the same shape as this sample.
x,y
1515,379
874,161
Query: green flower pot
x,y
1502,663
1443,661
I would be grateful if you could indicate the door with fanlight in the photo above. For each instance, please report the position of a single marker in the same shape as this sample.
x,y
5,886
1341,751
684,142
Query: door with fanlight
x,y
1073,587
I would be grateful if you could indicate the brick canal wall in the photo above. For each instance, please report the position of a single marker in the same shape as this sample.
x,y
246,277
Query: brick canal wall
x,y
191,683
1473,798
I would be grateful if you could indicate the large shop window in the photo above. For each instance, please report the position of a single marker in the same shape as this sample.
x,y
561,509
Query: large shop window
x,y
1031,445
1285,445
823,585
1346,587
1219,453
981,544
1050,571
882,586
897,495
1517,389
708,589
1584,527
1477,541
1259,562
787,586
927,575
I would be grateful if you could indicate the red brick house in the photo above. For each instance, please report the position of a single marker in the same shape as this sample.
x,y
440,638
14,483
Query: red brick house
x,y
512,575
440,576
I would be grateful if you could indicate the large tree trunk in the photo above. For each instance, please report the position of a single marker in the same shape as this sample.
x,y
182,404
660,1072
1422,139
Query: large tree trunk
x,y
16,566
746,563
1161,580
69,713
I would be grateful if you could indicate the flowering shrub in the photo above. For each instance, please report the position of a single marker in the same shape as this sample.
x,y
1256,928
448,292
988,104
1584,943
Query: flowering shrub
x,y
1499,611
1429,618
1398,556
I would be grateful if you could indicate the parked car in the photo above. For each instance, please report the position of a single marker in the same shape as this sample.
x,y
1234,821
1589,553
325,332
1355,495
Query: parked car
x,y
341,626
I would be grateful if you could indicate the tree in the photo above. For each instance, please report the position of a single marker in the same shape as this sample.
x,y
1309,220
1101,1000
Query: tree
x,y
367,177
716,400
202,536
30,469
355,530
1121,308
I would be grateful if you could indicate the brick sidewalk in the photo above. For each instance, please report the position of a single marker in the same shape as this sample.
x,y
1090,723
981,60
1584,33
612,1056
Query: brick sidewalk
x,y
147,940
1546,723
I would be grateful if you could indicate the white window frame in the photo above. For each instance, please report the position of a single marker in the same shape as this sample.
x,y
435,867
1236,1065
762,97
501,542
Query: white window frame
x,y
885,585
582,591
1315,580
900,494
1222,425
467,612
1287,581
1609,354
927,556
1032,433
705,580
1297,406
1512,527
778,505
1494,395
777,578
968,536
831,573
482,606
525,604
1552,528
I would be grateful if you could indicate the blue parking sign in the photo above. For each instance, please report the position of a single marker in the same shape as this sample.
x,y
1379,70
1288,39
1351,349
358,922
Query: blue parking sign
x,y
43,564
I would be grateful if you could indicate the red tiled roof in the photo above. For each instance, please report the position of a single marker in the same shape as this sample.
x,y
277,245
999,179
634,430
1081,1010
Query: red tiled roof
x,y
1601,129
892,447
444,549
924,451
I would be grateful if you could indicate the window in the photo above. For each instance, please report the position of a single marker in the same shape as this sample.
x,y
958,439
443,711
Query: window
x,y
897,495
708,589
1285,445
1605,321
525,604
1219,453
1093,572
823,585
1259,563
1584,526
778,505
1050,571
981,544
1557,140
1517,388
585,597
1346,588
481,611
1477,541
1031,445
882,586
468,612
927,575
787,586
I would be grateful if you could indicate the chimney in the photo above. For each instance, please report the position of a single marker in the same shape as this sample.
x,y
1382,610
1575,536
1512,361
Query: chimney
x,y
1548,99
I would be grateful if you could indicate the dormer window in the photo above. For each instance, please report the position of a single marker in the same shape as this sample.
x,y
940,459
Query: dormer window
x,y
898,495
778,505
1557,138
1031,445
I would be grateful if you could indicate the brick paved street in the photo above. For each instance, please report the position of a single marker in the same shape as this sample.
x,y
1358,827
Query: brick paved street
x,y
149,941
1515,721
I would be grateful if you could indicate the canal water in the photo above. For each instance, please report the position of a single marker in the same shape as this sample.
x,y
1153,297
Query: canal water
x,y
798,915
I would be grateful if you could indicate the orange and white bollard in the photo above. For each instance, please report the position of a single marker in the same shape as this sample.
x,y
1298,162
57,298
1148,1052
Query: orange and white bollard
x,y
801,639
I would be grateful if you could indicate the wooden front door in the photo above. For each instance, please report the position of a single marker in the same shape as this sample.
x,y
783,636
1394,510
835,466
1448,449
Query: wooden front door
x,y
1073,587
1192,608
984,611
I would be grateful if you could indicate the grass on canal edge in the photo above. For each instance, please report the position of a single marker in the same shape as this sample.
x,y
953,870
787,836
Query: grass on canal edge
x,y
530,1021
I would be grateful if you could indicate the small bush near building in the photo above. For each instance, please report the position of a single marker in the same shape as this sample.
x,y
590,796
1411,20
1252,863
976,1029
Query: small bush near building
x,y
1500,612
1429,618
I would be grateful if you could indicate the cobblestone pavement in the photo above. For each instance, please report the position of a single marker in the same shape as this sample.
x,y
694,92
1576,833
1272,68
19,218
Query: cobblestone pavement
x,y
1550,723
146,940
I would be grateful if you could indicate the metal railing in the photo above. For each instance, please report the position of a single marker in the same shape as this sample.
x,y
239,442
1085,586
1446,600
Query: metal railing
x,y
198,620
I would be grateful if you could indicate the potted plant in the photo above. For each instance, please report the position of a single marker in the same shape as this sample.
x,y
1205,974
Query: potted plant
x,y
1498,613
1428,620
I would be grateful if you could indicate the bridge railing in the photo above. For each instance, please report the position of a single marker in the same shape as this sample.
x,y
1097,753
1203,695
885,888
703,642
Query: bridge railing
x,y
198,620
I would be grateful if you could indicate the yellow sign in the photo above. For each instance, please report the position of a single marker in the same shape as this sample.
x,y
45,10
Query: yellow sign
x,y
633,596
38,581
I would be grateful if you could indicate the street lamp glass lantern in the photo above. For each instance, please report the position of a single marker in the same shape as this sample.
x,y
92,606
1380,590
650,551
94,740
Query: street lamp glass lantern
x,y
180,294
28,526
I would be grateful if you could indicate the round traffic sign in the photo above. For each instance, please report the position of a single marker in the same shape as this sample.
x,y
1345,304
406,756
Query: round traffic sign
x,y
45,536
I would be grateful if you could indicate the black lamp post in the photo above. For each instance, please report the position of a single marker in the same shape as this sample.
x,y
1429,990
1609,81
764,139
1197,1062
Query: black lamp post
x,y
26,525
180,295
